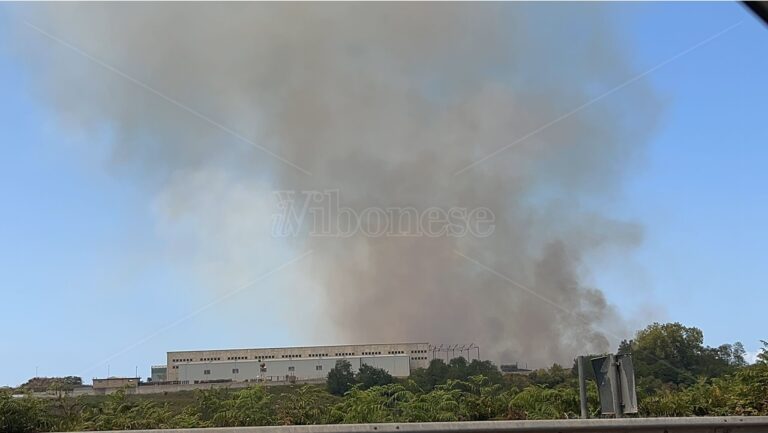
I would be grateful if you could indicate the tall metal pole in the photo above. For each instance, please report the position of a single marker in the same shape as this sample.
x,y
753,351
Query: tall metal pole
x,y
614,378
582,388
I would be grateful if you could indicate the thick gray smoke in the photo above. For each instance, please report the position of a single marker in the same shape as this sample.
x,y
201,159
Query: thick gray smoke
x,y
387,103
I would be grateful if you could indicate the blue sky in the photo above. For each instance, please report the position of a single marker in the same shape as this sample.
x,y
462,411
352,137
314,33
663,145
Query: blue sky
x,y
700,194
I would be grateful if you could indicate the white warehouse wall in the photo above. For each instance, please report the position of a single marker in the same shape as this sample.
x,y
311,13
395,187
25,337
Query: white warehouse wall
x,y
419,355
278,369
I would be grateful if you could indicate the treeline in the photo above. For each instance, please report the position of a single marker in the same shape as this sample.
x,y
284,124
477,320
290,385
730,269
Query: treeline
x,y
38,384
677,376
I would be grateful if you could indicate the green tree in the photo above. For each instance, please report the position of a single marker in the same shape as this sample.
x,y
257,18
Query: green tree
x,y
439,372
538,402
25,414
39,384
364,406
340,378
251,406
440,404
762,357
625,347
675,354
738,355
480,399
67,412
458,369
368,376
435,374
484,368
553,376
118,413
304,407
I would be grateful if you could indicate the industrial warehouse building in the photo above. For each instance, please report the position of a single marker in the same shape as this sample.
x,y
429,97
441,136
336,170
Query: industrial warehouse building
x,y
288,363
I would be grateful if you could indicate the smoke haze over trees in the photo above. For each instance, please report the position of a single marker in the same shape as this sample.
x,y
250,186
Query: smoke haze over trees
x,y
211,108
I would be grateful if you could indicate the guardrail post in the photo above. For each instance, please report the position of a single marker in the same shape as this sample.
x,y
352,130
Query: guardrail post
x,y
613,376
582,388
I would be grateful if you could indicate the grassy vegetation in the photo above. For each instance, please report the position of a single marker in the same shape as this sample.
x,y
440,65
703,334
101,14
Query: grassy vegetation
x,y
677,376
176,402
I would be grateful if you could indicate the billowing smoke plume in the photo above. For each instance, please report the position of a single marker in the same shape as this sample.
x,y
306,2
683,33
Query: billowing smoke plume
x,y
388,104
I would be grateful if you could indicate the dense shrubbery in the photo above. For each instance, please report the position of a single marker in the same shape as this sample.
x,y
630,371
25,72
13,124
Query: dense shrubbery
x,y
341,378
745,392
678,377
23,414
52,383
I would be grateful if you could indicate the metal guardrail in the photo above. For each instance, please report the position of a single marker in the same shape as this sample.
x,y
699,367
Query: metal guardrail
x,y
757,424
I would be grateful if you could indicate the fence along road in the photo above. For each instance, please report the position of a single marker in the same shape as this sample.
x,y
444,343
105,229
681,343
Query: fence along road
x,y
735,424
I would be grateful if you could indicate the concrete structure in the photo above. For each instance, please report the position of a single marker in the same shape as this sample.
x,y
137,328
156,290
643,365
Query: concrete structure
x,y
292,363
159,373
146,388
730,424
513,369
111,384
